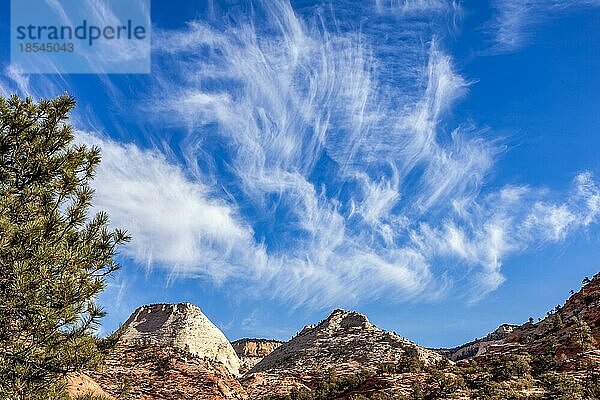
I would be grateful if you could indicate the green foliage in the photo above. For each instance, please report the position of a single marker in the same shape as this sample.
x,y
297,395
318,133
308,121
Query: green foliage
x,y
543,363
54,258
583,335
329,387
417,391
438,365
489,390
123,390
561,387
546,362
442,385
467,367
591,385
509,366
497,377
386,368
557,322
408,362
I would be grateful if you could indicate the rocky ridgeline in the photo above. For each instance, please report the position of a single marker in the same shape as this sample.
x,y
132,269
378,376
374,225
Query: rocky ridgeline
x,y
252,351
346,342
479,346
570,333
172,351
182,326
567,330
344,338
164,352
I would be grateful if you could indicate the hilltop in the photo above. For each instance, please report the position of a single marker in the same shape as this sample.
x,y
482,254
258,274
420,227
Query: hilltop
x,y
172,351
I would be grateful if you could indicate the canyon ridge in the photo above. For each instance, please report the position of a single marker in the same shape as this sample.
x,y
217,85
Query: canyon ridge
x,y
173,351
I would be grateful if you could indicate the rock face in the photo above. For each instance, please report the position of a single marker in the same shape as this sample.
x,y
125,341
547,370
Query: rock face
x,y
344,338
152,372
346,342
569,332
478,347
172,352
569,336
79,385
182,326
252,351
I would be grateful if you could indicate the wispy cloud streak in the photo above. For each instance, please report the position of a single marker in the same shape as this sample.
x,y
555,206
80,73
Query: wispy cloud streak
x,y
515,20
362,186
314,162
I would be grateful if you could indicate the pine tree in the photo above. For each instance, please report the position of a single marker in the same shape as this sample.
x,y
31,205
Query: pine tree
x,y
54,257
583,335
557,322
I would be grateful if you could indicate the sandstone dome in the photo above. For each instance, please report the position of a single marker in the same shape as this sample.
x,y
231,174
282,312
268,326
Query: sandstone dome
x,y
344,340
182,326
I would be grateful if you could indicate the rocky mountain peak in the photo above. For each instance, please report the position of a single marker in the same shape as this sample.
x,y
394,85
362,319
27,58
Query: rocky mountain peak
x,y
182,326
172,351
344,342
342,319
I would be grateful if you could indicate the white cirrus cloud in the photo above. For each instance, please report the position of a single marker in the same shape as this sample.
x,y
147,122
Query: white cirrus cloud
x,y
317,168
515,20
362,186
416,6
174,221
510,221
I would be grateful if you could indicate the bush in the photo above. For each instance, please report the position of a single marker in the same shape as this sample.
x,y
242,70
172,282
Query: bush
x,y
409,362
542,363
562,387
328,387
582,335
591,386
509,366
441,385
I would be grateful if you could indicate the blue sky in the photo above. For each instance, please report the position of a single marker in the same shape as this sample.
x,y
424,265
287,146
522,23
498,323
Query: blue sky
x,y
432,164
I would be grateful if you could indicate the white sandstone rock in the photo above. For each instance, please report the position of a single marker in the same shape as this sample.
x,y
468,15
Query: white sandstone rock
x,y
182,326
